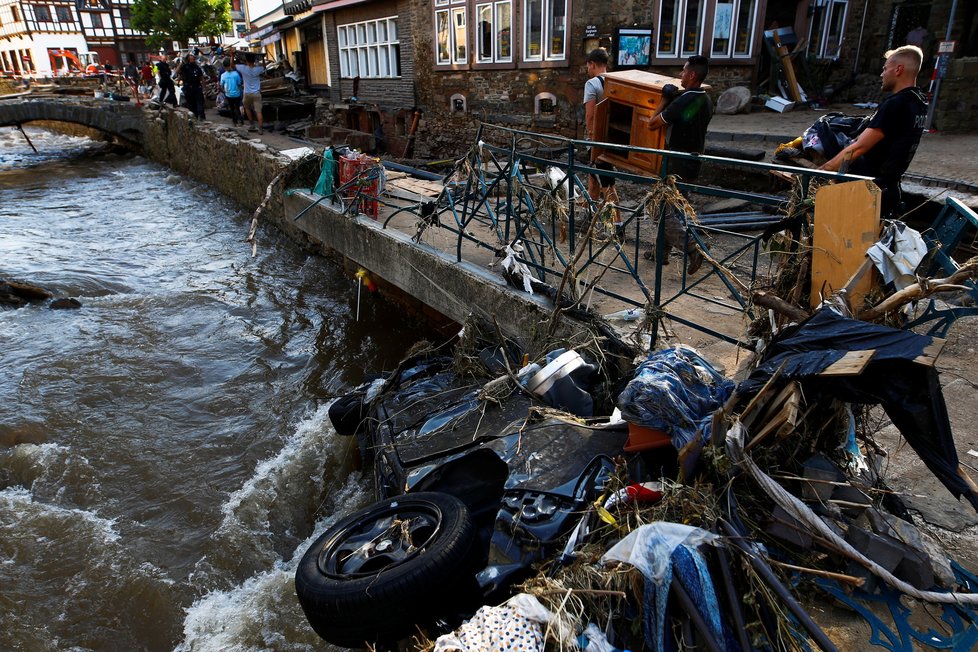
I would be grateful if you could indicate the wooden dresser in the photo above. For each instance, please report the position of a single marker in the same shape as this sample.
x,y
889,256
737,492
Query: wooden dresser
x,y
631,98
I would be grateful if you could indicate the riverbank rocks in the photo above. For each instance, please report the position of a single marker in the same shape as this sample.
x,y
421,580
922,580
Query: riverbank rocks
x,y
16,294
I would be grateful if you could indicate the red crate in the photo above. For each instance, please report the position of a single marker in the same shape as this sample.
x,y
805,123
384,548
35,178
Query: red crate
x,y
364,173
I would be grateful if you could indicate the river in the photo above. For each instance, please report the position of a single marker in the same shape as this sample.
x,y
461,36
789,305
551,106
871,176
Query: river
x,y
165,455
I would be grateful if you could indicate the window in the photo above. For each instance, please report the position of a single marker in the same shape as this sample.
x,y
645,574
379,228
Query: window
x,y
544,30
42,13
540,25
451,36
827,28
124,19
680,27
494,24
733,28
369,49
97,21
64,14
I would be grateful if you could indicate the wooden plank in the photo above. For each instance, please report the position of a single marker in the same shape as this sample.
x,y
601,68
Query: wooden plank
x,y
851,364
847,223
930,353
789,68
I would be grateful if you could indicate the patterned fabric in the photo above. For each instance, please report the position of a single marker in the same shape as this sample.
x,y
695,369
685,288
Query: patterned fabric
x,y
494,629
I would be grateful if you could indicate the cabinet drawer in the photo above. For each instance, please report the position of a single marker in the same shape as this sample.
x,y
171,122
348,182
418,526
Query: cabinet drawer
x,y
643,97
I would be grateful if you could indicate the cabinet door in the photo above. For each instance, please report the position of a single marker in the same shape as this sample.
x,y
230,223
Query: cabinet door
x,y
642,136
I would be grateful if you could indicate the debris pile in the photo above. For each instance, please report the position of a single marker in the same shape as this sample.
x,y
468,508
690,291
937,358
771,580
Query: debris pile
x,y
773,492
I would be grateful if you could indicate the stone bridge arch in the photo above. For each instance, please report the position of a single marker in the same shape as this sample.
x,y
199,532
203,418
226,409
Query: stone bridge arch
x,y
122,120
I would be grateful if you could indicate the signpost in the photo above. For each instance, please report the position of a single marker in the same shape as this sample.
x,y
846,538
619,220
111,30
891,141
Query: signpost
x,y
944,50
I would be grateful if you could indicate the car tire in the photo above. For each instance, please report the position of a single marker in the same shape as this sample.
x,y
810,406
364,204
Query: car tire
x,y
376,574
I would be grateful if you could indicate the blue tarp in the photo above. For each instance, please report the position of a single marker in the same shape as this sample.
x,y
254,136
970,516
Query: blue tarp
x,y
673,391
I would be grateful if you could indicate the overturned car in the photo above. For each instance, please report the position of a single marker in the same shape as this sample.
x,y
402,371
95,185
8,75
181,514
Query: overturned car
x,y
473,491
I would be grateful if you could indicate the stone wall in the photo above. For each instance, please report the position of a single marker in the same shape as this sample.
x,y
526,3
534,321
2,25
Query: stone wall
x,y
426,282
957,101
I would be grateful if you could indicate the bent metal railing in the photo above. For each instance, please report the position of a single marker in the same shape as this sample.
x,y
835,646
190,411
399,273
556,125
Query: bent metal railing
x,y
501,187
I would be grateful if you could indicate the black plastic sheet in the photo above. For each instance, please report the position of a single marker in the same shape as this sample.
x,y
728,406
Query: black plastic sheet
x,y
909,392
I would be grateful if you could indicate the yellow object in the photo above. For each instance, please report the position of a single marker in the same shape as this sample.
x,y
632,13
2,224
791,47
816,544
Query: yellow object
x,y
796,143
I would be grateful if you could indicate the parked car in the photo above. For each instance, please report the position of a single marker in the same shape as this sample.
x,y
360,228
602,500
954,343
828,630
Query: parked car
x,y
473,493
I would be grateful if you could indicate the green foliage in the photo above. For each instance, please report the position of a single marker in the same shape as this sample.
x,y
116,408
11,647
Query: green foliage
x,y
180,20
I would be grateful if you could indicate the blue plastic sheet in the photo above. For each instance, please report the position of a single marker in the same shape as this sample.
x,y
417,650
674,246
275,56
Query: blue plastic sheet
x,y
673,391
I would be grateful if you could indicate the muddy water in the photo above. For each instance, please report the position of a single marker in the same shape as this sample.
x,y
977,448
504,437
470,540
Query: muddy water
x,y
165,456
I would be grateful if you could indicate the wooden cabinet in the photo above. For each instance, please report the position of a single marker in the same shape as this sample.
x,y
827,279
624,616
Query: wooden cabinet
x,y
631,98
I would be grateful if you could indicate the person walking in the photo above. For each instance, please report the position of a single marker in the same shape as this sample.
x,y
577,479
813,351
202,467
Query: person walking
x,y
599,185
686,114
232,84
168,93
886,147
192,77
146,77
251,74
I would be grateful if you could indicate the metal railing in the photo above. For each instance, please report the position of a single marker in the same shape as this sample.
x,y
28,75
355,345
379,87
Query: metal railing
x,y
500,187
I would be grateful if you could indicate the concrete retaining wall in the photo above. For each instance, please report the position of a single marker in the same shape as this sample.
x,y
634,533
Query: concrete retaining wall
x,y
416,276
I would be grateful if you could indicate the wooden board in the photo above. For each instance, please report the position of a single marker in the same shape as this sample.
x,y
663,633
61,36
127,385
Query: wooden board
x,y
851,364
847,223
413,189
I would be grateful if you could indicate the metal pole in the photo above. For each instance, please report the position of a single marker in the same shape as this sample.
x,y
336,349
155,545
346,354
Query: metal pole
x,y
19,126
937,87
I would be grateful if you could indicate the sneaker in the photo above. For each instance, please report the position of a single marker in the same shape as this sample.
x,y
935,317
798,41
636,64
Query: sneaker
x,y
252,128
260,132
694,260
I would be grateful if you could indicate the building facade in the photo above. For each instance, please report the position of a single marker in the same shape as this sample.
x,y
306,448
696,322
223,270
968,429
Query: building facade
x,y
49,38
40,39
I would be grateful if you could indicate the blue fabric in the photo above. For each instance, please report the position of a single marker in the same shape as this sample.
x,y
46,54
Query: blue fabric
x,y
689,567
673,391
324,186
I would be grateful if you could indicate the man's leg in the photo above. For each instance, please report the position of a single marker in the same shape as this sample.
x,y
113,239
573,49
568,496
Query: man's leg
x,y
677,236
258,111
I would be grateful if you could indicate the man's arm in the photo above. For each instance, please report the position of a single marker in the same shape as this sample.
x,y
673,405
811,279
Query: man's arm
x,y
866,141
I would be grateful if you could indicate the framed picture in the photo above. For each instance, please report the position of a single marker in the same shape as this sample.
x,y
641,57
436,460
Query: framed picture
x,y
632,47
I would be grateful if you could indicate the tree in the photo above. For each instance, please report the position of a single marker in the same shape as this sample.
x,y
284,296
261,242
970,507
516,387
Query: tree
x,y
180,20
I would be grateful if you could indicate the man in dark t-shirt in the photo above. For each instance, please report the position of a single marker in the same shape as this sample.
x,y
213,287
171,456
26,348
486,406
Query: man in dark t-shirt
x,y
687,117
886,147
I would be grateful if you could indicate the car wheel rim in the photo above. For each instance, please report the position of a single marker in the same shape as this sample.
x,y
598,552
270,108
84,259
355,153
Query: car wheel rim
x,y
380,541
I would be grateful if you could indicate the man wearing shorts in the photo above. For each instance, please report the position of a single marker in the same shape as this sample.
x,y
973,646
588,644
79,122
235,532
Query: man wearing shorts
x,y
251,75
598,185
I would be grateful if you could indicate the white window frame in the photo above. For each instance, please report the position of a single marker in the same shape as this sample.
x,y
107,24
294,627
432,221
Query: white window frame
x,y
547,37
734,24
495,10
364,53
823,23
455,13
679,36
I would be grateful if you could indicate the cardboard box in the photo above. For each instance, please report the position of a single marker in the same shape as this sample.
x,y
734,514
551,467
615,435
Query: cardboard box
x,y
779,104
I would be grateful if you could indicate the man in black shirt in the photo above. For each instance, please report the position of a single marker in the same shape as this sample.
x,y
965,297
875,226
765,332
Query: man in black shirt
x,y
192,77
168,93
687,115
886,147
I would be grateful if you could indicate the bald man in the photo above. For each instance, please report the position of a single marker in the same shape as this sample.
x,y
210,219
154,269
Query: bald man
x,y
886,147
